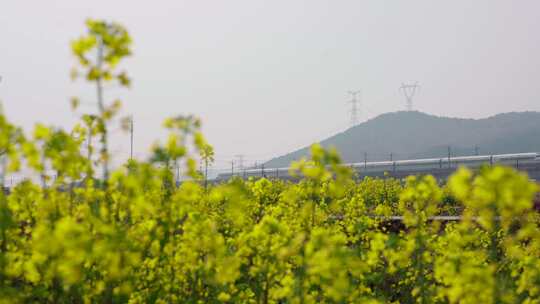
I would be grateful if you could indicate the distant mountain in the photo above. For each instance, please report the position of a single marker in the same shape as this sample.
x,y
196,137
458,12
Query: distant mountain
x,y
409,135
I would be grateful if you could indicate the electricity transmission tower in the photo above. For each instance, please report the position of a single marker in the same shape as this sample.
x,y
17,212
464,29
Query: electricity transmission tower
x,y
355,106
409,90
240,161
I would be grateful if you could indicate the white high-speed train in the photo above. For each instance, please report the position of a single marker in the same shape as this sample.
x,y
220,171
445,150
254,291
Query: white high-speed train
x,y
412,166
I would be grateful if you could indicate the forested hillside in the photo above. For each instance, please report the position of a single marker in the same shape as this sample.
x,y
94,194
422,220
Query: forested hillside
x,y
419,135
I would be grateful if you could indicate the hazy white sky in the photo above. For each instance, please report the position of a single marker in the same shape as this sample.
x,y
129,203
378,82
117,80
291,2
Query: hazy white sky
x,y
268,77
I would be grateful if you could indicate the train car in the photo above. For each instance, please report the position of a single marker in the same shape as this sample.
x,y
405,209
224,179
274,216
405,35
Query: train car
x,y
408,167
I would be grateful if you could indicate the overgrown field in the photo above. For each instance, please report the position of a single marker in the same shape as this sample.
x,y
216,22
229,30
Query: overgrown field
x,y
133,236
138,238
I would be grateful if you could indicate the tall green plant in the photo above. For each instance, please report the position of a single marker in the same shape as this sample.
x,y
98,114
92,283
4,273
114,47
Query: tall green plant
x,y
99,52
207,155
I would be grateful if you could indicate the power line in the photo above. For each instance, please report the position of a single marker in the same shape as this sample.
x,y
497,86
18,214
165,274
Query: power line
x,y
409,90
355,106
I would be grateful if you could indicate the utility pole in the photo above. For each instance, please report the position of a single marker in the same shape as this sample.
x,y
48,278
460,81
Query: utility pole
x,y
476,150
355,103
391,156
205,174
177,171
409,90
89,144
449,155
232,168
131,137
365,160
